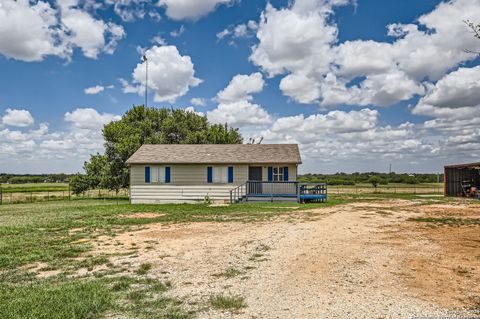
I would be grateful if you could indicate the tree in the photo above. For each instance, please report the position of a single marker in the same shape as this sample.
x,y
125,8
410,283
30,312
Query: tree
x,y
374,180
79,184
97,169
141,125
475,27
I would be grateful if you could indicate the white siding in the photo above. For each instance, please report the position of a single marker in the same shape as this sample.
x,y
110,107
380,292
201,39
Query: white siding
x,y
188,174
189,183
152,194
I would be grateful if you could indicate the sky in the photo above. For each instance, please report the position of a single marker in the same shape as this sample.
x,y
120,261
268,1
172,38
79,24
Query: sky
x,y
358,84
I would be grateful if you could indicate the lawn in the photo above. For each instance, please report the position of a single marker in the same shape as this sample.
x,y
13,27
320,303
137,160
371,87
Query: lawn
x,y
57,236
34,187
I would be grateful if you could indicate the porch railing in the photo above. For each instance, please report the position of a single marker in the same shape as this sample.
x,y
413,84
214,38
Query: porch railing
x,y
304,192
263,189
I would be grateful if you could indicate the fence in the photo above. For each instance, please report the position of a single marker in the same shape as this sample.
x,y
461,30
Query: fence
x,y
387,189
7,197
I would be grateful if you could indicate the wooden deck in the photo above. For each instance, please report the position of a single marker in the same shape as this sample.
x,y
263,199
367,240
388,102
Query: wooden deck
x,y
260,191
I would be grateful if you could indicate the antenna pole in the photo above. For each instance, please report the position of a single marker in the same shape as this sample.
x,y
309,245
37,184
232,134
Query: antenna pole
x,y
146,82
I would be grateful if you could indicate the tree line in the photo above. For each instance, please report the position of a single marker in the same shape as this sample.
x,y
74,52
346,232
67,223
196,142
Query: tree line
x,y
33,178
373,178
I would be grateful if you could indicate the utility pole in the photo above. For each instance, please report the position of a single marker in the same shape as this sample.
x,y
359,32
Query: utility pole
x,y
144,59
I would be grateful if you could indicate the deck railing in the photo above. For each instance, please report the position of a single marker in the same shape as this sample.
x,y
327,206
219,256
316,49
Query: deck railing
x,y
259,188
304,192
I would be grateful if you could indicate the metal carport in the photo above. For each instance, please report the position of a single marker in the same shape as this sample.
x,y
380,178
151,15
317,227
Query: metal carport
x,y
456,175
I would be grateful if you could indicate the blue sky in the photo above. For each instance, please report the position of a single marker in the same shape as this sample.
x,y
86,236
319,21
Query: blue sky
x,y
358,84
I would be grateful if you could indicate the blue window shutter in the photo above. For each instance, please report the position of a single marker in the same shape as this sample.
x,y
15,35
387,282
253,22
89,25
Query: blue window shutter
x,y
167,174
147,174
230,174
270,174
285,174
209,174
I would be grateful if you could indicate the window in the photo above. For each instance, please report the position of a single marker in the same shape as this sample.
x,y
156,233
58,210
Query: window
x,y
220,174
157,174
278,174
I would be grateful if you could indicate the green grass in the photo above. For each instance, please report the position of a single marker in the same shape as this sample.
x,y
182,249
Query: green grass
x,y
144,268
24,296
34,187
55,300
229,273
225,302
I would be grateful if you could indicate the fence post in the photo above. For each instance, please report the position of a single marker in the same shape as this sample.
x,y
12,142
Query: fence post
x,y
31,197
1,194
48,196
69,198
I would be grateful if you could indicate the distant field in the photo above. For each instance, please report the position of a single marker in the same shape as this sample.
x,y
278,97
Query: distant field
x,y
391,185
364,188
34,187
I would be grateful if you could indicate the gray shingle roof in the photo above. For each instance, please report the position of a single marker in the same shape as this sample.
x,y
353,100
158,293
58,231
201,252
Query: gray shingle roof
x,y
216,154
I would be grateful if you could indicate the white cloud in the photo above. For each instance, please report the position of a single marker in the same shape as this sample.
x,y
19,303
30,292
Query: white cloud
x,y
198,101
382,89
18,118
453,103
128,10
294,40
39,41
90,34
38,149
190,9
94,89
158,40
239,114
456,90
235,107
241,87
242,30
88,118
53,31
300,43
179,32
170,75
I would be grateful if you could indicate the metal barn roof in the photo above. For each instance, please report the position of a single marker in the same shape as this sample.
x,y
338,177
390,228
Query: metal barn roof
x,y
216,154
468,165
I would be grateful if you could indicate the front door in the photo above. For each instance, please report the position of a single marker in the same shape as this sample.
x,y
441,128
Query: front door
x,y
255,174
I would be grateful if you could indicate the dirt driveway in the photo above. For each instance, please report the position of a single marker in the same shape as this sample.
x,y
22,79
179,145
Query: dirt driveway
x,y
361,260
